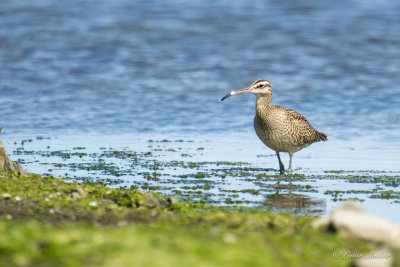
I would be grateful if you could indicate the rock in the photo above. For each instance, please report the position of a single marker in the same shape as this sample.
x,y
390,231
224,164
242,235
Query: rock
x,y
321,222
6,196
350,219
151,201
93,204
173,200
68,181
229,238
77,193
7,164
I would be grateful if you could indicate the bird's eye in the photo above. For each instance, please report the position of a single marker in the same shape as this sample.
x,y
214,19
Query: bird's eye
x,y
260,86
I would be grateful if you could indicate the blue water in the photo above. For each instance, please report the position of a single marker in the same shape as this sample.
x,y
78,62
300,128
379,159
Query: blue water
x,y
157,69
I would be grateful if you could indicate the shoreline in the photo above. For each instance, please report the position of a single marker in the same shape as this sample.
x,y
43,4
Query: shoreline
x,y
58,217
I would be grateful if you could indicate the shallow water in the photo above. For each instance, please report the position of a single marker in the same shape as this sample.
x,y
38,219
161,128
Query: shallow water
x,y
115,74
199,170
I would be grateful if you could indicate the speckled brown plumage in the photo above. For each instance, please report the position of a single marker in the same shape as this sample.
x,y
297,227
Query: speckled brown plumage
x,y
279,128
283,129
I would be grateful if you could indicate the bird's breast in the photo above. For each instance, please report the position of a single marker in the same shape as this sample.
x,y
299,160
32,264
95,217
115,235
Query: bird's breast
x,y
275,134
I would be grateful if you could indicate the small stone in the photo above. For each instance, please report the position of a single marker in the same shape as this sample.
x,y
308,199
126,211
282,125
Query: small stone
x,y
68,181
151,202
154,213
112,206
52,211
18,198
77,193
230,238
93,204
9,217
173,200
122,223
6,196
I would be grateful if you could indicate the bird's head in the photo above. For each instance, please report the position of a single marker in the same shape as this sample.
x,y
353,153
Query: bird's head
x,y
260,88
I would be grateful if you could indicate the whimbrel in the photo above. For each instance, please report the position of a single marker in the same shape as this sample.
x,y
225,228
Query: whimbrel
x,y
279,128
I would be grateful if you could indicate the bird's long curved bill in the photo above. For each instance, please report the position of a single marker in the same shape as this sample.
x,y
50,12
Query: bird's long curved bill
x,y
241,91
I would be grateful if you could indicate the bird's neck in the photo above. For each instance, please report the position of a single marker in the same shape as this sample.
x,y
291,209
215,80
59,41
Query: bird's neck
x,y
263,102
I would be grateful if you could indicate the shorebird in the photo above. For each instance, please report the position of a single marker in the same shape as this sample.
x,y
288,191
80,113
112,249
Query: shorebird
x,y
279,128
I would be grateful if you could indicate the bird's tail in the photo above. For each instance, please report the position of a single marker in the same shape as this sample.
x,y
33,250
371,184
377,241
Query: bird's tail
x,y
322,136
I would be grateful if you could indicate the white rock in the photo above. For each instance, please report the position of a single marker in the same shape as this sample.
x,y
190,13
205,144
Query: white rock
x,y
352,220
6,195
93,204
320,222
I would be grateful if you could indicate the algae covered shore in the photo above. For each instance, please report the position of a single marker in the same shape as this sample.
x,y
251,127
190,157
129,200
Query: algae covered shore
x,y
205,171
162,205
45,221
120,152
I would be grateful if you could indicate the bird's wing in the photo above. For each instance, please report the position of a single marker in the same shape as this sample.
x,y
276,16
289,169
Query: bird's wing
x,y
294,116
305,132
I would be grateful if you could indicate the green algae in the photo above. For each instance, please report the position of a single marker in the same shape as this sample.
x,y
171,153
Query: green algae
x,y
151,168
48,197
136,225
46,221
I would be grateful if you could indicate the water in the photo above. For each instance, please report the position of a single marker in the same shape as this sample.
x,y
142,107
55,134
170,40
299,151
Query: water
x,y
118,73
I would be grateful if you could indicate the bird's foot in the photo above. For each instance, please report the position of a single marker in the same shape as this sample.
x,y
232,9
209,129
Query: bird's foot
x,y
281,171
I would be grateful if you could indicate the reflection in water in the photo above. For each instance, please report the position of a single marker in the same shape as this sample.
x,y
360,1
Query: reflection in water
x,y
283,200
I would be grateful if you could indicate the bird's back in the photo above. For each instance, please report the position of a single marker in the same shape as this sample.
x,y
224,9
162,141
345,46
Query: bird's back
x,y
283,129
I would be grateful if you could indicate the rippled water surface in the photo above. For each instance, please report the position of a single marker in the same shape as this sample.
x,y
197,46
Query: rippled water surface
x,y
115,74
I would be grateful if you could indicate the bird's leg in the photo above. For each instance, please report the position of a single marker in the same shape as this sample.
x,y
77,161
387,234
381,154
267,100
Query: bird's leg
x,y
289,171
281,167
